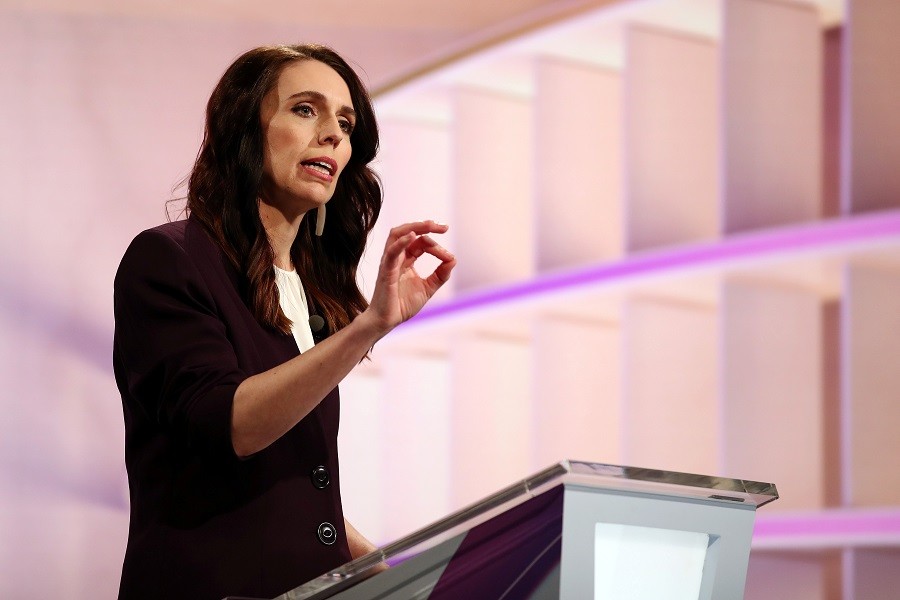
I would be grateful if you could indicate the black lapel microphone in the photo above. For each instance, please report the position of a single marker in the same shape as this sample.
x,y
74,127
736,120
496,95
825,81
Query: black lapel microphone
x,y
318,328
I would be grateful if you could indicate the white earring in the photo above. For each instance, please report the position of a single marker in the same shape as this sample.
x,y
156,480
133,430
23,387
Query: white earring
x,y
320,220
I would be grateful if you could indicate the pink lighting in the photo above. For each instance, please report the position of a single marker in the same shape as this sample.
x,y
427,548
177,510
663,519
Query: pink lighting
x,y
865,231
828,529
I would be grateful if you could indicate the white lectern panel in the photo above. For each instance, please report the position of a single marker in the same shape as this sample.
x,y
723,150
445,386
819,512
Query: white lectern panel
x,y
625,554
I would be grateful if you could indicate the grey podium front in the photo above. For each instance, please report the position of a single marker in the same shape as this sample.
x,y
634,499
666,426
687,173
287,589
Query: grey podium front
x,y
576,531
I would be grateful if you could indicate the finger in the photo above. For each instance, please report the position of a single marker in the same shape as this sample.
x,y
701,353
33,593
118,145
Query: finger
x,y
417,227
425,244
441,275
420,245
395,252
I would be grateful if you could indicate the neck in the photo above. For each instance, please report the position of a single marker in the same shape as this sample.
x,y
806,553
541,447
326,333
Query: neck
x,y
282,232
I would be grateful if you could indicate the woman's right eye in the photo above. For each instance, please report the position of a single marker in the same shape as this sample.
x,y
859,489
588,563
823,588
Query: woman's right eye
x,y
304,110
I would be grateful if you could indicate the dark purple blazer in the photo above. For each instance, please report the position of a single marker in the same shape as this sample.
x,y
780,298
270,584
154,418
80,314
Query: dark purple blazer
x,y
204,523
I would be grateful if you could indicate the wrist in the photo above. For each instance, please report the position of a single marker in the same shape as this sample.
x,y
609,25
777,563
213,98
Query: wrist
x,y
372,326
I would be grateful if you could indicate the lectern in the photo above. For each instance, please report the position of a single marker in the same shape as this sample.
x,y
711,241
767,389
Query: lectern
x,y
576,531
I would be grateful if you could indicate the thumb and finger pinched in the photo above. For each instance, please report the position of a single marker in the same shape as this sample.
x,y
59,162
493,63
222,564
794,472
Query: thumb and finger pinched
x,y
405,244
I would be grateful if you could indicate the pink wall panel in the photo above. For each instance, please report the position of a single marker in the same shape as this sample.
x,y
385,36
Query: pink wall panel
x,y
871,413
871,122
670,386
362,449
414,163
577,164
772,114
492,188
811,575
491,403
577,400
671,138
872,574
772,361
417,421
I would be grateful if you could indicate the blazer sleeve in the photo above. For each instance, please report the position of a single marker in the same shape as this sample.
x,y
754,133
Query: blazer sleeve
x,y
178,364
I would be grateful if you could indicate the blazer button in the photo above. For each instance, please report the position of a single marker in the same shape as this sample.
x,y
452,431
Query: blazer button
x,y
320,477
327,533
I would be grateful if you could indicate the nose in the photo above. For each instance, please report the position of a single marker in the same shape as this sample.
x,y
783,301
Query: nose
x,y
330,132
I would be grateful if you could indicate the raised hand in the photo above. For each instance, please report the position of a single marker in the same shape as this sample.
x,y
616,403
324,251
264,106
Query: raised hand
x,y
400,292
269,404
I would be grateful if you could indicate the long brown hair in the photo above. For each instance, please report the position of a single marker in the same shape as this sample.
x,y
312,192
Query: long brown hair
x,y
224,185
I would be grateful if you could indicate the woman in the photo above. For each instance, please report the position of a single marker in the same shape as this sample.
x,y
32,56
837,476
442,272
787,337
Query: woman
x,y
231,409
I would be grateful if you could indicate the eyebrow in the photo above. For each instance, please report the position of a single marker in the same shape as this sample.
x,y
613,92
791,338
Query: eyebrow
x,y
320,97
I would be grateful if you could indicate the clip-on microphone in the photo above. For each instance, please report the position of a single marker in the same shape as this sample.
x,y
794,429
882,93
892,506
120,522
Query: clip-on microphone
x,y
318,328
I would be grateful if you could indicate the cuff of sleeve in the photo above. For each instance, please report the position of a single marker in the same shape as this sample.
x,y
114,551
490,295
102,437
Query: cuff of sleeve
x,y
211,419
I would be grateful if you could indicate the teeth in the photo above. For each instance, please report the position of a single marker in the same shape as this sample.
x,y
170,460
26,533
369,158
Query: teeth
x,y
319,167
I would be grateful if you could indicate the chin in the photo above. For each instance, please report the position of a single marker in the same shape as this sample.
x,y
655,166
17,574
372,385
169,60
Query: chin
x,y
314,199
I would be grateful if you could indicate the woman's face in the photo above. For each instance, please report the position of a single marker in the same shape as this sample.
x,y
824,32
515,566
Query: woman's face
x,y
306,121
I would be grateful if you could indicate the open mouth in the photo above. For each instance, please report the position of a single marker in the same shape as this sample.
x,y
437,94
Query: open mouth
x,y
322,165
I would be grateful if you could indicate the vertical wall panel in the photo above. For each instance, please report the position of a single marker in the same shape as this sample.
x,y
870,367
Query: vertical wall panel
x,y
417,425
832,75
414,164
870,175
492,176
806,575
832,386
671,138
772,389
874,574
772,116
671,413
491,404
871,412
577,391
577,164
360,447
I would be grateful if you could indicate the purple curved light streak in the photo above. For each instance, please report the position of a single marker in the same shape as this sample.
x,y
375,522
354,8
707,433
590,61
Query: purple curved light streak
x,y
819,236
829,528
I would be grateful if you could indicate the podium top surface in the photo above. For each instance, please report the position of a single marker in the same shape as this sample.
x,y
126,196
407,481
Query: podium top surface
x,y
614,477
601,478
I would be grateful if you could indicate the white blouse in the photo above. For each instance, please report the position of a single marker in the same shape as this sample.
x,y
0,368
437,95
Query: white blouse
x,y
293,303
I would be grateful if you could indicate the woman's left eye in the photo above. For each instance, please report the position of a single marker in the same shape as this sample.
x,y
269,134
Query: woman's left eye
x,y
346,126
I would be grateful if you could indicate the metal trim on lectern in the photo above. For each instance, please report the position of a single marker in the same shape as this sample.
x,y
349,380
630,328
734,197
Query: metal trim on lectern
x,y
576,530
